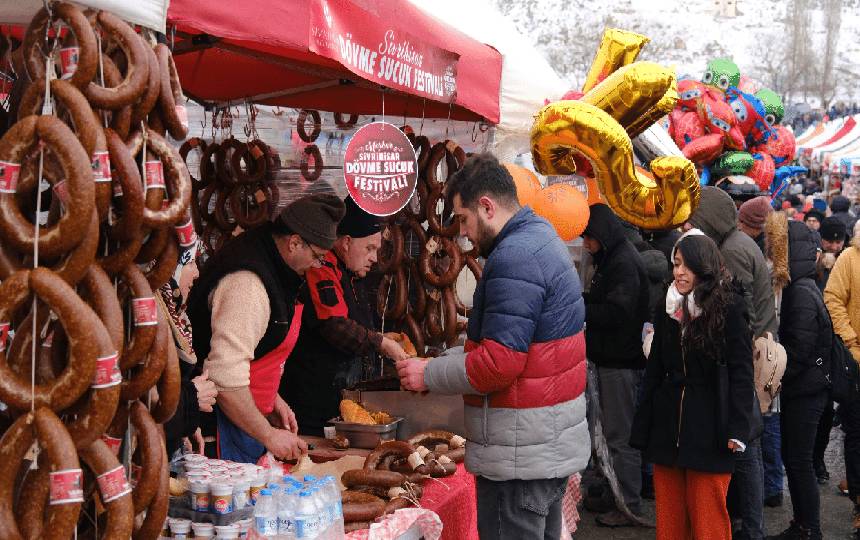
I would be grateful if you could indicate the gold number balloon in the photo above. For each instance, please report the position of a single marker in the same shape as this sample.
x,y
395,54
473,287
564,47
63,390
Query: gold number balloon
x,y
617,48
566,128
636,95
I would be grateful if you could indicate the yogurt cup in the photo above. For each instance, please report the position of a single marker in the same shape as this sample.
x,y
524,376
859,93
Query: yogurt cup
x,y
203,531
221,497
226,532
180,528
241,494
258,482
199,495
244,527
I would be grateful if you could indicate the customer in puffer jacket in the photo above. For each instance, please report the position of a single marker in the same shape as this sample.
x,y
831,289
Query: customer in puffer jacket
x,y
522,374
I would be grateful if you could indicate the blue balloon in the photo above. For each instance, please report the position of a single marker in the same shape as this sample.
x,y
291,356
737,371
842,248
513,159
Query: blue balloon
x,y
788,171
705,177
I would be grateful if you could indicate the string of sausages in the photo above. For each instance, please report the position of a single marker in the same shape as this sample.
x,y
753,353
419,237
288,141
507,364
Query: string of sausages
x,y
417,292
100,373
235,189
394,473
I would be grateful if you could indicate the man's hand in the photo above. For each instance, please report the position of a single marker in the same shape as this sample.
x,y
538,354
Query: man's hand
x,y
392,349
284,444
198,440
206,391
411,373
286,415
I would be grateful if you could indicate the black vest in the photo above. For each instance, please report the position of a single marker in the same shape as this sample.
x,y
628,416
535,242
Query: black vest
x,y
254,251
316,372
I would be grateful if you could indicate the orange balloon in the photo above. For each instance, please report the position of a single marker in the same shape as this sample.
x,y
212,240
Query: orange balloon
x,y
565,207
526,181
594,196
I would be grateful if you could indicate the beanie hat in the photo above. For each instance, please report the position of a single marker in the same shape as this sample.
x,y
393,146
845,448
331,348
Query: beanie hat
x,y
832,229
840,203
314,218
357,223
817,214
754,212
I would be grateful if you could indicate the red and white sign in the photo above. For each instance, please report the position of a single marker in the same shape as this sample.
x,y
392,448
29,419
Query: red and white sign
x,y
365,45
379,168
113,484
144,311
107,372
66,486
113,443
154,171
101,167
69,61
9,176
185,234
4,335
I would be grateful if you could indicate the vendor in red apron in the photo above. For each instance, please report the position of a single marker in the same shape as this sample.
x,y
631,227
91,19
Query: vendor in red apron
x,y
338,338
245,315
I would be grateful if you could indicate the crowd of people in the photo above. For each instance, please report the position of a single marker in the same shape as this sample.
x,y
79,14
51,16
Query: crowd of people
x,y
837,110
675,321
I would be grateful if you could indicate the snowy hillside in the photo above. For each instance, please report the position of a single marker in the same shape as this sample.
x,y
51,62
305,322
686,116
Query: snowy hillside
x,y
684,34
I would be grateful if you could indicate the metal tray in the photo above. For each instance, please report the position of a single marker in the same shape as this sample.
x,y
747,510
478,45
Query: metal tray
x,y
366,435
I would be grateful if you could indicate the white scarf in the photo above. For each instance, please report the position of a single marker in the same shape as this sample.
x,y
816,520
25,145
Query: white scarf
x,y
675,304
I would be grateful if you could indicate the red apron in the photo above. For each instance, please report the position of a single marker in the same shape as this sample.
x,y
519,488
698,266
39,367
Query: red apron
x,y
266,372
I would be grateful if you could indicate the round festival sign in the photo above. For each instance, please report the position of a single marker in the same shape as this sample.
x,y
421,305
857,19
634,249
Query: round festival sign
x,y
380,169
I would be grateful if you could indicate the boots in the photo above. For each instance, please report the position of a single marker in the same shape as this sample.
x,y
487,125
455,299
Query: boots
x,y
795,531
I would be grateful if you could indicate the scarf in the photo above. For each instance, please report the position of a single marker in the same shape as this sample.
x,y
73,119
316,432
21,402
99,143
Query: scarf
x,y
675,304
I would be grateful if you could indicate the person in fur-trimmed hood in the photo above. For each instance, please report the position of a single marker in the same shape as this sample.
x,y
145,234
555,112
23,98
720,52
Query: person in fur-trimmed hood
x,y
805,332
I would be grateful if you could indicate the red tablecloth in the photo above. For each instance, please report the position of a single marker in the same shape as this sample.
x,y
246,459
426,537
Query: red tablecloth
x,y
453,499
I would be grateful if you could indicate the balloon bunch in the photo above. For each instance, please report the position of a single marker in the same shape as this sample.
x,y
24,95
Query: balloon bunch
x,y
420,255
728,127
621,100
91,222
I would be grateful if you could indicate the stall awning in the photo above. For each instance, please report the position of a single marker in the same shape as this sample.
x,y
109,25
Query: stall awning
x,y
149,13
320,54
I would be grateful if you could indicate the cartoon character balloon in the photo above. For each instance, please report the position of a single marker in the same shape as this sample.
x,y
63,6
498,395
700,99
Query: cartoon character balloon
x,y
773,107
722,73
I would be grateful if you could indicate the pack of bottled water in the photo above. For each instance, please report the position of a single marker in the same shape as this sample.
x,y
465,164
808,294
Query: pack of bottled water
x,y
306,509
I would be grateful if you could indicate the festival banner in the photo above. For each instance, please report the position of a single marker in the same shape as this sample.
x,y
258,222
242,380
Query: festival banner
x,y
394,58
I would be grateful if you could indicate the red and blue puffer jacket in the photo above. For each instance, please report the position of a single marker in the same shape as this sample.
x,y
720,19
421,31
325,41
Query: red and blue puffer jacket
x,y
522,374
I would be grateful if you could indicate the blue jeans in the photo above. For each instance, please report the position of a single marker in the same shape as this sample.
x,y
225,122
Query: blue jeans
x,y
747,489
520,509
771,448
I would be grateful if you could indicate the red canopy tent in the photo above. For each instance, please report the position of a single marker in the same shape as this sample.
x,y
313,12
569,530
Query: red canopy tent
x,y
269,52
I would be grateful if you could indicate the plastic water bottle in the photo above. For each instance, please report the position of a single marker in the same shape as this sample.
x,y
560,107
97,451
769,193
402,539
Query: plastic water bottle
x,y
266,515
306,516
309,480
319,499
335,507
286,505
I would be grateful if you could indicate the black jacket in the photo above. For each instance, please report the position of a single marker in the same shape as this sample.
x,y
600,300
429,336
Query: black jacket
x,y
677,423
804,327
616,306
188,416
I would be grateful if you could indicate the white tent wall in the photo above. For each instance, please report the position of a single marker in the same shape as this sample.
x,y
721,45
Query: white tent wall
x,y
149,13
527,78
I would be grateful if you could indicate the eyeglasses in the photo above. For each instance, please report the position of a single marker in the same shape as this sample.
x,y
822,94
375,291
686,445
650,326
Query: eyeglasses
x,y
317,255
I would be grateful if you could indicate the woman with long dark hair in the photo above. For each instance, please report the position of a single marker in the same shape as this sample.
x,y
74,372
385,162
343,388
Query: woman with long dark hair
x,y
698,394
